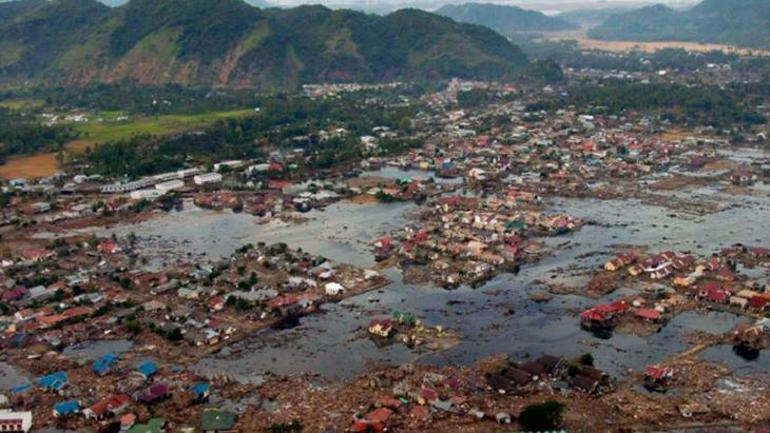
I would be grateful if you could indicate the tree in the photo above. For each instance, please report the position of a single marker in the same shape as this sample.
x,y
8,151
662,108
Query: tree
x,y
542,416
587,359
405,124
291,427
174,334
546,70
133,326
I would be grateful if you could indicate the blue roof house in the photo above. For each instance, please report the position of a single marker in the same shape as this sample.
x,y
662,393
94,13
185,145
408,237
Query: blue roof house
x,y
147,369
65,408
53,382
201,390
103,365
21,389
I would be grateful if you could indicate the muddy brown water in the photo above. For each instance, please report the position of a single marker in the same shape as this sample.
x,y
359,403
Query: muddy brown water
x,y
326,344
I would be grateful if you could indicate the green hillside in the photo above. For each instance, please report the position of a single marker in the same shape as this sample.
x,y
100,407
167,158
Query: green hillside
x,y
504,19
743,23
229,42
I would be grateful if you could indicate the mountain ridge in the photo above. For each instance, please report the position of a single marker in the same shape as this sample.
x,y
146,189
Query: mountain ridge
x,y
744,23
504,19
230,43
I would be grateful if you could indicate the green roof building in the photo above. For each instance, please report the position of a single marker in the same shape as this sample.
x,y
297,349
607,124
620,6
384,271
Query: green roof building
x,y
155,425
215,421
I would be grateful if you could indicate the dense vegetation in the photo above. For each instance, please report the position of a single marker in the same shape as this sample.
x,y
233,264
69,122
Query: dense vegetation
x,y
292,122
703,105
23,134
542,417
504,19
569,54
147,100
738,22
228,42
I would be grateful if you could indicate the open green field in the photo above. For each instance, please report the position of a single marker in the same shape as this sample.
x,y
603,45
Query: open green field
x,y
19,104
109,126
103,126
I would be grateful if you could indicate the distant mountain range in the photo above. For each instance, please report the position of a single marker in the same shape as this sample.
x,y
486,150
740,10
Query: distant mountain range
x,y
504,19
228,42
737,22
592,17
257,3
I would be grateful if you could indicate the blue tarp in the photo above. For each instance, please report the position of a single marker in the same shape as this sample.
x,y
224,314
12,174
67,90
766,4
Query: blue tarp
x,y
200,389
103,365
66,408
53,381
21,389
147,368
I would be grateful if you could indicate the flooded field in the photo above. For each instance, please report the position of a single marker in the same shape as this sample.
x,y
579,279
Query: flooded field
x,y
395,173
497,317
340,232
10,377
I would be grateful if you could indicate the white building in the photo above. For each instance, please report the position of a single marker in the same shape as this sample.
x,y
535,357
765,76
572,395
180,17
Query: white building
x,y
188,172
16,422
122,188
171,185
145,194
162,177
334,289
203,179
259,168
234,164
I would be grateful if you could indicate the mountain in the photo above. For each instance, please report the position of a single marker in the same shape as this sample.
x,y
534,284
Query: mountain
x,y
39,32
503,19
228,42
736,22
116,3
259,3
12,9
591,17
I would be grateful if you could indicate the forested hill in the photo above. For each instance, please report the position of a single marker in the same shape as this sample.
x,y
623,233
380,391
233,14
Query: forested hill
x,y
229,42
743,23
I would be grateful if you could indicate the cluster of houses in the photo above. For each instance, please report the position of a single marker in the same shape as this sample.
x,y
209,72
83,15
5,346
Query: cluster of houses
x,y
606,316
713,280
558,373
140,386
90,290
406,328
464,240
467,394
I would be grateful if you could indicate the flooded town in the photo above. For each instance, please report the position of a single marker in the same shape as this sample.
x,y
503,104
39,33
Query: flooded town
x,y
470,256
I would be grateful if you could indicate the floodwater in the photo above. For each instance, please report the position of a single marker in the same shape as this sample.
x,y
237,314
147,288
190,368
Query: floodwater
x,y
498,317
396,173
10,377
342,231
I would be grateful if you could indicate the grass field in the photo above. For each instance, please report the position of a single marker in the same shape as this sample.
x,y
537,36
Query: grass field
x,y
18,104
110,128
106,126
